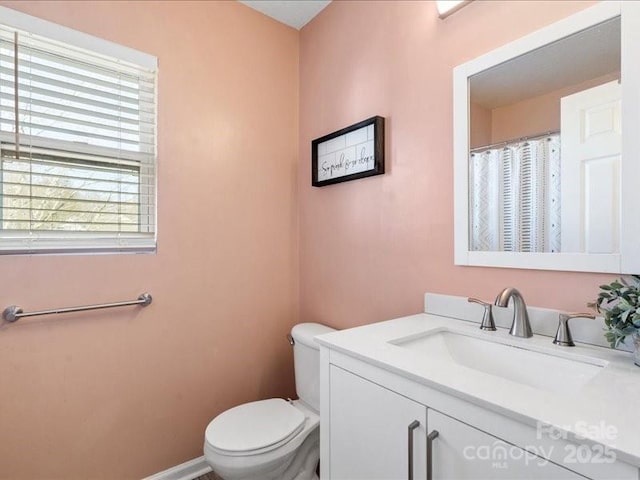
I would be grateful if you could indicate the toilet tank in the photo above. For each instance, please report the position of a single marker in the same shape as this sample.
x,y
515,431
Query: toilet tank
x,y
306,361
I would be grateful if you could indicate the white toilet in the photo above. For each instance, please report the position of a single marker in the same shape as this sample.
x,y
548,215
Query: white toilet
x,y
273,439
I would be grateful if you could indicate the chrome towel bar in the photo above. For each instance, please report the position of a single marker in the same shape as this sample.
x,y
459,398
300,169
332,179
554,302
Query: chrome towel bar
x,y
14,312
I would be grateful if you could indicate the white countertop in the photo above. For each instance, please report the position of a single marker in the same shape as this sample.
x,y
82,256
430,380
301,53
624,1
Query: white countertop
x,y
611,398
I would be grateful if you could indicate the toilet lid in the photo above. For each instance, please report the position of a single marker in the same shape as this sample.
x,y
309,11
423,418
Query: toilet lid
x,y
255,425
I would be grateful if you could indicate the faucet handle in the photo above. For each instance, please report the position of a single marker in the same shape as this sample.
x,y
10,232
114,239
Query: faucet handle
x,y
487,318
563,335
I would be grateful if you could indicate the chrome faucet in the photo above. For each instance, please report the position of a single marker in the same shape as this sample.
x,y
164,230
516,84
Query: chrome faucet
x,y
520,327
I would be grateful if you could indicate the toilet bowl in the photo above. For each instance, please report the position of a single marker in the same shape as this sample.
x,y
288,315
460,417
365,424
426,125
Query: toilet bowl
x,y
273,439
273,452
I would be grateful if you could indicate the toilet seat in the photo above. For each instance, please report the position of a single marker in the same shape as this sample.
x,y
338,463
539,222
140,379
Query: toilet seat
x,y
254,428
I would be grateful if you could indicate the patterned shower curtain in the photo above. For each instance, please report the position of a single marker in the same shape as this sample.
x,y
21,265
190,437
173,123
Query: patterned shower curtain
x,y
515,197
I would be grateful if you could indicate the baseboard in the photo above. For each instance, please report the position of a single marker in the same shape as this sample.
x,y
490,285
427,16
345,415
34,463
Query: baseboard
x,y
185,471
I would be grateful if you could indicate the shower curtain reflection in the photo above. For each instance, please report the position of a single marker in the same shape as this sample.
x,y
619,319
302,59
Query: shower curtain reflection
x,y
515,196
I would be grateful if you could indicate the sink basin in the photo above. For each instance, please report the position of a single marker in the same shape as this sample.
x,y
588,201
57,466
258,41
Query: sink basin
x,y
535,368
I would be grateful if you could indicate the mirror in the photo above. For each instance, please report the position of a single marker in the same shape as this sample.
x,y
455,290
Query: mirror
x,y
524,172
538,148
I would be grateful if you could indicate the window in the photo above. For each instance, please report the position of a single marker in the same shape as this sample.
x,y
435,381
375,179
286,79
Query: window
x,y
77,141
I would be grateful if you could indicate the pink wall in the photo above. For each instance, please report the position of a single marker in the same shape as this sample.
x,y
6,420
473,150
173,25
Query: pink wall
x,y
124,394
480,123
370,248
530,116
537,114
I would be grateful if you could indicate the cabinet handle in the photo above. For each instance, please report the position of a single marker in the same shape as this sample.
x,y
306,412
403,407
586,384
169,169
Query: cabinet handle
x,y
412,426
430,438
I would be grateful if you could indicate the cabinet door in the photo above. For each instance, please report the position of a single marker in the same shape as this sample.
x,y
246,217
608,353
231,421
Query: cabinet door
x,y
463,452
369,431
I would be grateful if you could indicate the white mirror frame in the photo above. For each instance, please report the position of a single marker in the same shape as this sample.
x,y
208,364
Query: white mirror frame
x,y
628,260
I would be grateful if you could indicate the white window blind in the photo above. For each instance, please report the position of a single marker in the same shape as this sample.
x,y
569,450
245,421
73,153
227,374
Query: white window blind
x,y
77,147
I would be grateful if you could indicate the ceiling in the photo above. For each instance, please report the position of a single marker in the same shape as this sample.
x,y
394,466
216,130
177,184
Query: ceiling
x,y
586,55
295,13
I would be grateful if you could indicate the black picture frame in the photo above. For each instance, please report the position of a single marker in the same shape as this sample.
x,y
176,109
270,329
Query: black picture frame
x,y
353,153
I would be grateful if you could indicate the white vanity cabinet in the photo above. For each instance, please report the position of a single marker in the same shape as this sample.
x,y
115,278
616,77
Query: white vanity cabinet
x,y
370,431
378,434
503,407
463,452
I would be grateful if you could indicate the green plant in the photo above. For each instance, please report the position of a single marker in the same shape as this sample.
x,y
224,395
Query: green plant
x,y
619,303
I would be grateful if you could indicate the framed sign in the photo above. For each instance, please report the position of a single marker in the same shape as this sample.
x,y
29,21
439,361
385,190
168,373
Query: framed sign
x,y
353,152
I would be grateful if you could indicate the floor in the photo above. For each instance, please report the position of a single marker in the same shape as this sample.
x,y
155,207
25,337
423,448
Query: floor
x,y
208,476
213,476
